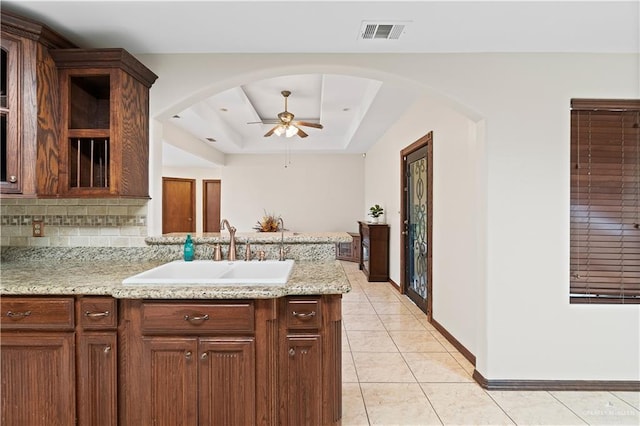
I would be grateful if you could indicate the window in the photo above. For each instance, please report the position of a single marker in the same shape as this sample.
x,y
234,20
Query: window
x,y
605,207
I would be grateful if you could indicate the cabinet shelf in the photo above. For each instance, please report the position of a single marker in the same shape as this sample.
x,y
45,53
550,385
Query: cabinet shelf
x,y
89,133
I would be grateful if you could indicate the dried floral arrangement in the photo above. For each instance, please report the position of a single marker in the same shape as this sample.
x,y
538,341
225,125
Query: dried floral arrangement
x,y
270,222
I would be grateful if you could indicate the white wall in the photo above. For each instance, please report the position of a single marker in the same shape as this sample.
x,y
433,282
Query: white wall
x,y
455,212
312,193
527,330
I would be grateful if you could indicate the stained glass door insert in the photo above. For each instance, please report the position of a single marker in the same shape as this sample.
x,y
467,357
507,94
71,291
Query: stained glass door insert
x,y
417,228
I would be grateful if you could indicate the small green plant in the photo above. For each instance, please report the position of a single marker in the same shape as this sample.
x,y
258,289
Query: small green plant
x,y
376,211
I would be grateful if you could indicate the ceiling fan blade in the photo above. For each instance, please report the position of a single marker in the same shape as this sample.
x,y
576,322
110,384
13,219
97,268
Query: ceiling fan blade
x,y
270,132
301,133
305,123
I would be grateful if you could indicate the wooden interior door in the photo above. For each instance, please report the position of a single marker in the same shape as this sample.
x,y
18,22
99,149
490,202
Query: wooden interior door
x,y
211,205
178,205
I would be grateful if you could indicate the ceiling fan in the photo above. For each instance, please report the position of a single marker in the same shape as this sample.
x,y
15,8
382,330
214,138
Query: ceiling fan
x,y
287,126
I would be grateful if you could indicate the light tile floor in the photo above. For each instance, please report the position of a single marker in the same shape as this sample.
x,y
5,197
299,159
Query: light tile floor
x,y
399,370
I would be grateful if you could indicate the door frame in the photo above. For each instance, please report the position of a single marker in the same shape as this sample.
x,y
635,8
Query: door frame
x,y
426,140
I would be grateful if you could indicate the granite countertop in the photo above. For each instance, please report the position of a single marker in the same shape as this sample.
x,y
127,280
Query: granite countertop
x,y
81,277
253,237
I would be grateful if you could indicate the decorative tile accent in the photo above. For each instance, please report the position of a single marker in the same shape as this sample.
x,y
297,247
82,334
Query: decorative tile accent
x,y
76,220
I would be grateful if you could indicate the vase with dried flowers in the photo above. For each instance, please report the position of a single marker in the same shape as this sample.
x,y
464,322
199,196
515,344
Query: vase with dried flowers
x,y
270,222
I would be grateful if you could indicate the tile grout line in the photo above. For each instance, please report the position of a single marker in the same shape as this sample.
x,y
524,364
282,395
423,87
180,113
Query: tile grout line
x,y
568,408
624,401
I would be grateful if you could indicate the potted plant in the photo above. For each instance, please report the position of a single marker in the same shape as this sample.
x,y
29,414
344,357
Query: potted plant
x,y
375,212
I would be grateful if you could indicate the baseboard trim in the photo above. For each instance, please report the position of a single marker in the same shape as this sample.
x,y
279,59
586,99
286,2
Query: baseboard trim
x,y
395,285
459,346
559,385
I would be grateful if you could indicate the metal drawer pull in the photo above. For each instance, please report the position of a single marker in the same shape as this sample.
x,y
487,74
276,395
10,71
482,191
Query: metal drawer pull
x,y
18,314
107,349
292,352
96,314
13,179
187,354
304,315
200,318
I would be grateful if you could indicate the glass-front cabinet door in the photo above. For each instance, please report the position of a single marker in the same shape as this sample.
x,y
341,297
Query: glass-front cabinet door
x,y
10,179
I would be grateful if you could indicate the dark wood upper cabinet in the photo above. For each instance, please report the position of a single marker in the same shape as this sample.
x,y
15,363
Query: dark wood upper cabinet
x,y
374,251
30,108
104,99
74,122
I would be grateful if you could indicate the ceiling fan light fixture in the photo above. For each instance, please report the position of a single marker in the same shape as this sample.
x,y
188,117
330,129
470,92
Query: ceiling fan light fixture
x,y
287,126
291,130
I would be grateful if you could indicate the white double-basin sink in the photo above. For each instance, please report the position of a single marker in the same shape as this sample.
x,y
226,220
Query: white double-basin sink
x,y
215,273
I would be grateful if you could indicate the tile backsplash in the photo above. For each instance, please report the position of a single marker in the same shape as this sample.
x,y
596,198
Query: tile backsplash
x,y
72,222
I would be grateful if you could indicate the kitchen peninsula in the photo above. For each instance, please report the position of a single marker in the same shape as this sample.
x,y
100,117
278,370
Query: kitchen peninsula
x,y
145,354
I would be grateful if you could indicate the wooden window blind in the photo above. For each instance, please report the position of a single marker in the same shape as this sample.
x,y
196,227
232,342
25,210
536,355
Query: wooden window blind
x,y
605,207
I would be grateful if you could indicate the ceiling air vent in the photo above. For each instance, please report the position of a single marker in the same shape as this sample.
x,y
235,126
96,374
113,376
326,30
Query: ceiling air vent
x,y
382,30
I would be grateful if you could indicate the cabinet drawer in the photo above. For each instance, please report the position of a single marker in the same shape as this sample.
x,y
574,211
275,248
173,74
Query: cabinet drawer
x,y
37,313
303,314
197,318
97,313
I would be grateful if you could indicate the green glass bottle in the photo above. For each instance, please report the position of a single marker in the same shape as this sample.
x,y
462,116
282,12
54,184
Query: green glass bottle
x,y
189,249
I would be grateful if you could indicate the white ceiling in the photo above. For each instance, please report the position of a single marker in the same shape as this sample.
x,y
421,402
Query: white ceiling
x,y
352,110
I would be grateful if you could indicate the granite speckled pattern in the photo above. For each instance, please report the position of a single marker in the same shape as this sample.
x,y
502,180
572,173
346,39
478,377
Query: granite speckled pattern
x,y
69,277
254,237
100,270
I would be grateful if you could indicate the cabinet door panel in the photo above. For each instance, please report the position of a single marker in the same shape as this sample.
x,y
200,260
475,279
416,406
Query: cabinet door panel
x,y
227,381
37,374
10,178
97,379
303,380
171,377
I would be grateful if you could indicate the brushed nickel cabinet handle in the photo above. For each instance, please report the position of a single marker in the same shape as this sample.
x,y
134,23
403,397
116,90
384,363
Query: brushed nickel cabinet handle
x,y
18,315
187,354
204,355
96,314
196,318
304,315
107,349
292,352
13,179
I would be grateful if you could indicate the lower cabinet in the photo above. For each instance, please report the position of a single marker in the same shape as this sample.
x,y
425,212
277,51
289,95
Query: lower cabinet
x,y
198,381
302,385
59,360
97,361
97,379
189,362
101,361
310,360
37,378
